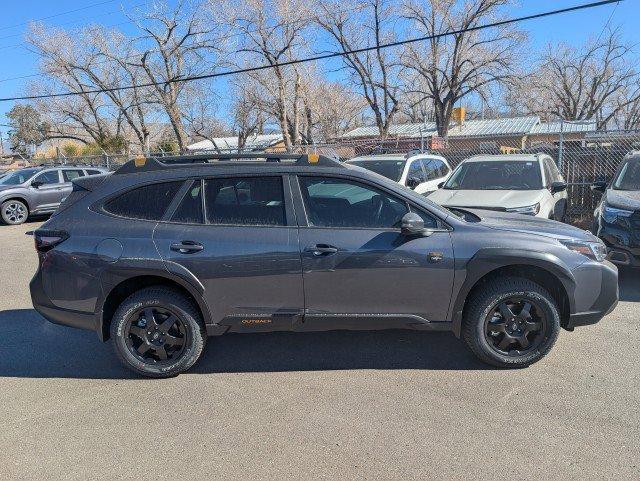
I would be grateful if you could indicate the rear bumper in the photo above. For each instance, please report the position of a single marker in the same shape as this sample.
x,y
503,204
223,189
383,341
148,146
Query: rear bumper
x,y
599,296
65,317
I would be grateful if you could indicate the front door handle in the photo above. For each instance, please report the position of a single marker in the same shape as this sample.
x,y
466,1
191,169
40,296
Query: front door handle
x,y
321,250
187,247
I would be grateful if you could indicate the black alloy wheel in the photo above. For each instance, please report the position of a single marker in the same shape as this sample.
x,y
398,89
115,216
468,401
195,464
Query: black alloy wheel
x,y
156,335
515,326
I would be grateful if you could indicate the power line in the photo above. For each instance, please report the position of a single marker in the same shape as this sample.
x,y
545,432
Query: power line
x,y
321,57
604,27
86,7
214,40
71,22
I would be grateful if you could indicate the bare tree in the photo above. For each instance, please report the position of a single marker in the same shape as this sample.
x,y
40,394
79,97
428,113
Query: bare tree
x,y
270,33
595,81
447,69
373,74
177,42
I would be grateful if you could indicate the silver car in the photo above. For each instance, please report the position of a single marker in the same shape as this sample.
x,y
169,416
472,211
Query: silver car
x,y
38,190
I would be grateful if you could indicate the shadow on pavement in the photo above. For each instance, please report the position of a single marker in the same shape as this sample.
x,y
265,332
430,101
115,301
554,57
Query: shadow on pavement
x,y
629,282
33,347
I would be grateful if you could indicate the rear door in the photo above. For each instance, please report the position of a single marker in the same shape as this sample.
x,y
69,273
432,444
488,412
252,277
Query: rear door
x,y
359,270
67,177
237,237
46,197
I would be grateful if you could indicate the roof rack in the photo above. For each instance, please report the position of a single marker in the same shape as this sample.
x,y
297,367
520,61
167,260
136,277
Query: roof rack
x,y
150,164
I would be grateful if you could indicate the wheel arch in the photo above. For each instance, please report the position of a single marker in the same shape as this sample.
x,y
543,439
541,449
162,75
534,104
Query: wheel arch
x,y
544,269
124,287
19,198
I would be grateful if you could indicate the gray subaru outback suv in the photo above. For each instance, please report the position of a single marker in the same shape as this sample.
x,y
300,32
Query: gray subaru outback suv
x,y
167,251
38,190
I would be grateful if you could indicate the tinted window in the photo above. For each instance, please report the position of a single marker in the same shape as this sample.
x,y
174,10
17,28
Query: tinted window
x,y
69,175
391,169
332,202
190,209
49,177
434,168
93,172
629,177
245,201
415,170
148,202
496,175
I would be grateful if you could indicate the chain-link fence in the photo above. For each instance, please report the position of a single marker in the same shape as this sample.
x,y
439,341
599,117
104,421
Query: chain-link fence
x,y
582,159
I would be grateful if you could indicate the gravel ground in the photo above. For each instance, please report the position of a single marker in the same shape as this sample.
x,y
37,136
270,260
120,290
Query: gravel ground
x,y
338,405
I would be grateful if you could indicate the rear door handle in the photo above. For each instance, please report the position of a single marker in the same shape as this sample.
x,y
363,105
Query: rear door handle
x,y
187,247
321,250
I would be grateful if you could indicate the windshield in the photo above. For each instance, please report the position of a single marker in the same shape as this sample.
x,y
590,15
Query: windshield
x,y
18,177
629,177
496,175
391,169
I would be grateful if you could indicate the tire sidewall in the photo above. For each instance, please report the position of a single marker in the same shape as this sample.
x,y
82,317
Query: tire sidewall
x,y
551,332
7,221
188,357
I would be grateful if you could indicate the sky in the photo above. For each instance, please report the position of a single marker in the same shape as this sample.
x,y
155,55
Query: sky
x,y
16,61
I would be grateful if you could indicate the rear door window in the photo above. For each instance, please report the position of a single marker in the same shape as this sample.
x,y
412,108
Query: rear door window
x,y
245,201
434,168
190,209
148,202
69,175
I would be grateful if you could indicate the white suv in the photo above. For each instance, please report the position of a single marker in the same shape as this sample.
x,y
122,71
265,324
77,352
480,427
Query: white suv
x,y
526,184
420,172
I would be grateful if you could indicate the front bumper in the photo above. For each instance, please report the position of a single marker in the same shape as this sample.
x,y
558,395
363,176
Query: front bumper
x,y
65,317
623,241
597,293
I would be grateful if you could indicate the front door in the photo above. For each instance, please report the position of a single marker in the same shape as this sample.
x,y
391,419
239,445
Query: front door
x,y
238,239
359,270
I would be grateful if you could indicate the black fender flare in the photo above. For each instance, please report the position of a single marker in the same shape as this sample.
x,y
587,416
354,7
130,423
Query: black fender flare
x,y
490,259
113,277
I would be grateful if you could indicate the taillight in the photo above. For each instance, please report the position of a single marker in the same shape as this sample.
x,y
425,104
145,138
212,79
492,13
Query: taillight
x,y
45,240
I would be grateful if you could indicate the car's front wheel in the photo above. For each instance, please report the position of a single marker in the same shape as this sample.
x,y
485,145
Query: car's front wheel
x,y
511,322
14,212
158,332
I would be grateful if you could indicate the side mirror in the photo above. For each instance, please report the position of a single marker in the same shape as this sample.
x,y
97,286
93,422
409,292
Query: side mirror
x,y
558,187
412,224
36,184
440,185
599,186
413,182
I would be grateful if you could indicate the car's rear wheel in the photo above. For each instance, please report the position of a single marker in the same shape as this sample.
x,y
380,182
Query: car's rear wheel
x,y
511,322
14,212
158,332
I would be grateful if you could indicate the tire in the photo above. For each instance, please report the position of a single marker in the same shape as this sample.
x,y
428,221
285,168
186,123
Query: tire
x,y
484,332
14,212
139,338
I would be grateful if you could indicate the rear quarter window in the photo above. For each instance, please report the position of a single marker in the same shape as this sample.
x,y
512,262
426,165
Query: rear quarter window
x,y
148,202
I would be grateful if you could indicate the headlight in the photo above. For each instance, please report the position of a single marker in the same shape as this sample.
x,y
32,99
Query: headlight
x,y
593,250
528,210
610,214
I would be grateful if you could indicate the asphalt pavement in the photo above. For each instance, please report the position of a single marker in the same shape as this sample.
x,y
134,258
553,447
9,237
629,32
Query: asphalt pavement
x,y
336,405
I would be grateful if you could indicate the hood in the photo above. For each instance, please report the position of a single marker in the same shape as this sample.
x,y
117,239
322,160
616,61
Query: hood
x,y
530,225
486,198
623,199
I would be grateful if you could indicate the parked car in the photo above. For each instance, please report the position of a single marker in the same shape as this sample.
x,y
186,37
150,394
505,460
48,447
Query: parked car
x,y
617,217
37,190
167,251
418,171
523,184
